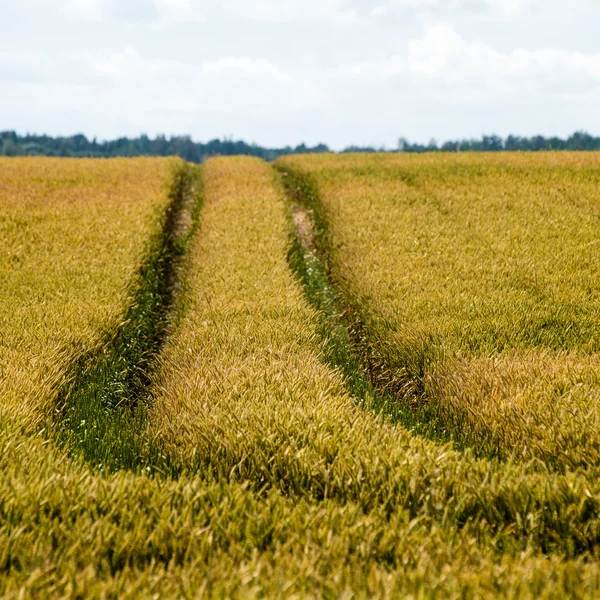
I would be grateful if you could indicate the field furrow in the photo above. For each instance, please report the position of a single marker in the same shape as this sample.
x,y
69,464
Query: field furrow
x,y
73,236
273,474
246,396
471,288
101,409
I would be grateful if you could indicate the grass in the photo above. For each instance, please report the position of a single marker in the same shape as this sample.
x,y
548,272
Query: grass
x,y
278,483
101,411
469,282
245,396
73,234
345,344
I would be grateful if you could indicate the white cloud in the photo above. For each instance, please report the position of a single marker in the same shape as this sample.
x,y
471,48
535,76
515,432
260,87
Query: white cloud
x,y
247,68
443,55
266,69
239,85
157,13
333,11
194,11
86,10
125,93
178,11
33,66
487,9
470,71
243,85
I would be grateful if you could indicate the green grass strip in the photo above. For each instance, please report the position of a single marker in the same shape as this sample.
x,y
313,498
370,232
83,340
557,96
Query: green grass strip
x,y
344,329
101,412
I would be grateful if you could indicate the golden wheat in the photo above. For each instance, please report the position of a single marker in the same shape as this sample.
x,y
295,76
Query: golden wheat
x,y
292,490
73,234
476,277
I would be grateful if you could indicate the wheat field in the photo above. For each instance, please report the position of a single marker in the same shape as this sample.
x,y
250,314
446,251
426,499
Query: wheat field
x,y
334,376
474,284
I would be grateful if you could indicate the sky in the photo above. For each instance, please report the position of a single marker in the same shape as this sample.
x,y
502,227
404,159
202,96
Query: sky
x,y
284,72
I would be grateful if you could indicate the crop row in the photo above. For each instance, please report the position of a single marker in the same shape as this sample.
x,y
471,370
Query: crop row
x,y
471,284
272,477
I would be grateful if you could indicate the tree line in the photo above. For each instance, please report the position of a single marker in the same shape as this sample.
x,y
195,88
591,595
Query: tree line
x,y
13,144
578,141
79,146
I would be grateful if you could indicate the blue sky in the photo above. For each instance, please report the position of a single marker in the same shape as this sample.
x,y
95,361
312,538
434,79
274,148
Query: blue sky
x,y
282,72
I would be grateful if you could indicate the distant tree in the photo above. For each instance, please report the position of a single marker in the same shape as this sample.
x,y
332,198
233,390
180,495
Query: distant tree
x,y
184,147
78,145
491,143
402,144
538,143
159,146
581,140
512,143
10,148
